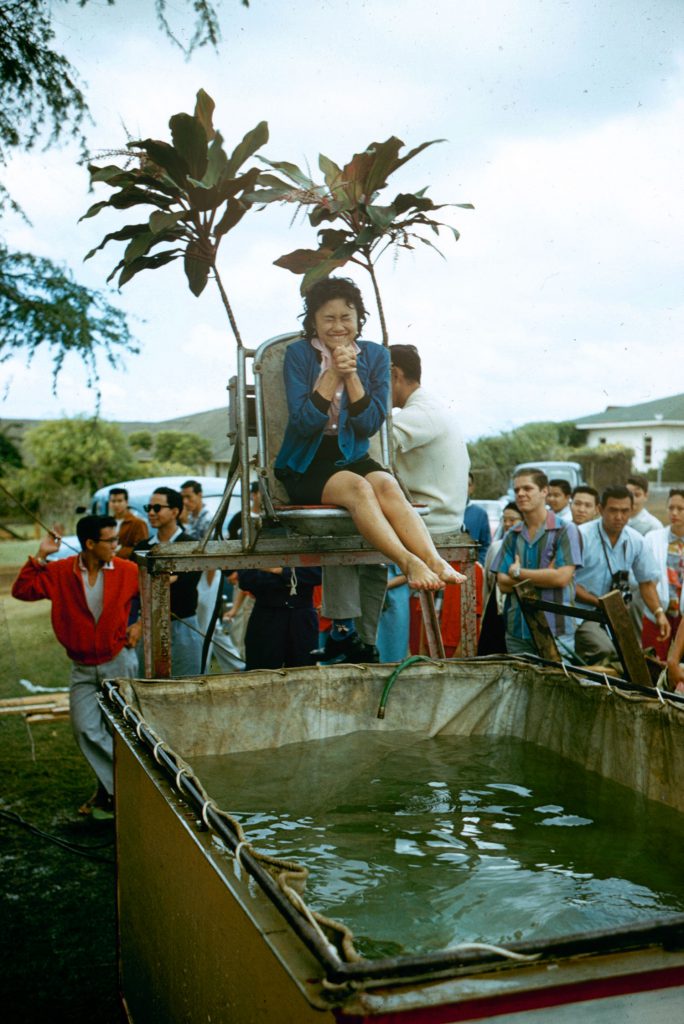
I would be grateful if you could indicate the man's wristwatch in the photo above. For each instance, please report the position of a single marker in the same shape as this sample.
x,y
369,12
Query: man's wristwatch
x,y
659,611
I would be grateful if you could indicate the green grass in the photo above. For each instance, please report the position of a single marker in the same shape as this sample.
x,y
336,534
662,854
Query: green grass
x,y
15,552
28,648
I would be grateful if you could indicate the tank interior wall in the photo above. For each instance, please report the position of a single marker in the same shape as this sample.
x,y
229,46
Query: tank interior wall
x,y
635,740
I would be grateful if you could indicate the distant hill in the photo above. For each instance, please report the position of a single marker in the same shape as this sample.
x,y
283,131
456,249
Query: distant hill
x,y
211,425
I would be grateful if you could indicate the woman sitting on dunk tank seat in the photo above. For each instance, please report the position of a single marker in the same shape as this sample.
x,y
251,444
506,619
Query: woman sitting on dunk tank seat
x,y
337,392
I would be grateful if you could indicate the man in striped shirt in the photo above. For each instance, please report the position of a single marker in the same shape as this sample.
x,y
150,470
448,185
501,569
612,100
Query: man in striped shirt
x,y
545,550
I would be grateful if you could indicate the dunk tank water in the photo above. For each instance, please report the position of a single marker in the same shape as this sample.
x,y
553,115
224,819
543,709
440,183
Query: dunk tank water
x,y
504,845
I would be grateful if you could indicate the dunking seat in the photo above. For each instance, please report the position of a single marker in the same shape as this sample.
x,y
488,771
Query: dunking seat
x,y
271,421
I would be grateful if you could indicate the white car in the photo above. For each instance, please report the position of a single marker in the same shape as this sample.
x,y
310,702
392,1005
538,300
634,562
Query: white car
x,y
139,494
494,510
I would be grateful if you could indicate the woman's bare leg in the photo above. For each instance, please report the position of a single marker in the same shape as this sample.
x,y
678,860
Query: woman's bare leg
x,y
357,495
409,527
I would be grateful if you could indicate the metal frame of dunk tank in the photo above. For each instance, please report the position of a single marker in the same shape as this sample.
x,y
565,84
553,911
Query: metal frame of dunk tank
x,y
257,550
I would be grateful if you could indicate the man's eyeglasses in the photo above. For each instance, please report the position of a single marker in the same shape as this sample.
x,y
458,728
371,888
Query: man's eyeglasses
x,y
155,508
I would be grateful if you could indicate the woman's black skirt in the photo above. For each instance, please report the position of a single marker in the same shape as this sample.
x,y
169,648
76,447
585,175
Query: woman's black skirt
x,y
306,488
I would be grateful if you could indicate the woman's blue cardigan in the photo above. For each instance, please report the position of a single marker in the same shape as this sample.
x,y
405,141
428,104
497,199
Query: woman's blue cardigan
x,y
309,412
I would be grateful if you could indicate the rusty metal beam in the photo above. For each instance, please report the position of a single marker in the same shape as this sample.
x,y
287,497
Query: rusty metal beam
x,y
289,551
162,560
433,634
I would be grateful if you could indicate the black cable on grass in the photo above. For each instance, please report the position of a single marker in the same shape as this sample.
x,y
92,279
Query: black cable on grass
x,y
77,848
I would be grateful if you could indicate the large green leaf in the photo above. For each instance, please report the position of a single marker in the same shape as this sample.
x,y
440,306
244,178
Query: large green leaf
x,y
94,209
110,173
128,197
217,163
383,162
190,141
324,269
299,260
413,201
328,211
204,112
331,172
165,157
197,268
292,171
130,231
235,211
147,263
332,238
139,246
161,221
142,178
266,180
252,141
230,187
381,216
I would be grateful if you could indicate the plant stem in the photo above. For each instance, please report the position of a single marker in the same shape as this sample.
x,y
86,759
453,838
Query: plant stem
x,y
227,307
378,300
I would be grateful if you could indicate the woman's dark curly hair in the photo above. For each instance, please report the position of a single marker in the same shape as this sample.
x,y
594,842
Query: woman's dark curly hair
x,y
325,290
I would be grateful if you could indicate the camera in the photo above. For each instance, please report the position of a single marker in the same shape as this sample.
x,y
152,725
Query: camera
x,y
620,581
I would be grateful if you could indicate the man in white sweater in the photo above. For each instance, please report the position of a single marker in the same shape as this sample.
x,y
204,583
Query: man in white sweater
x,y
433,462
430,453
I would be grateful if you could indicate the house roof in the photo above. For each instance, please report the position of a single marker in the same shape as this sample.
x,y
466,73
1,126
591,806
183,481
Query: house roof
x,y
660,412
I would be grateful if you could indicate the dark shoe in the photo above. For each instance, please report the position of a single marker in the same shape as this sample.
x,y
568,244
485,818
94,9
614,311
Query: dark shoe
x,y
351,650
100,804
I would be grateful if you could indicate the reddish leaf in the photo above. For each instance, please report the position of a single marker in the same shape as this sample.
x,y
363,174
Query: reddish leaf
x,y
204,111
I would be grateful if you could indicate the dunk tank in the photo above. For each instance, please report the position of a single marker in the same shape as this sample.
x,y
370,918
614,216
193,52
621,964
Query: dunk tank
x,y
504,844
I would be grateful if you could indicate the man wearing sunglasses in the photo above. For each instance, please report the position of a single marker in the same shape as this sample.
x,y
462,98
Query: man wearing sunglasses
x,y
164,509
91,595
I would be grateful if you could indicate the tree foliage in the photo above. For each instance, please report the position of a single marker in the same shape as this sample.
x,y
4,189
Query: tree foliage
x,y
349,199
42,306
85,453
186,448
10,455
673,466
141,440
499,453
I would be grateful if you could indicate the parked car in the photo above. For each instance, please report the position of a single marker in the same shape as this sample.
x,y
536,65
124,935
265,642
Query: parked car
x,y
139,493
494,509
570,471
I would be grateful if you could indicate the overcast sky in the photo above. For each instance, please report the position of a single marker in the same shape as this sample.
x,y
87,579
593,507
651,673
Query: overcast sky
x,y
563,126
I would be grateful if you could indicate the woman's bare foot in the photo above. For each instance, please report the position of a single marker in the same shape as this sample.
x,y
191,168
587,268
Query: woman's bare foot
x,y
419,576
446,572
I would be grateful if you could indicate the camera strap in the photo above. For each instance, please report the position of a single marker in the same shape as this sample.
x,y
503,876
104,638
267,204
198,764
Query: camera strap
x,y
605,554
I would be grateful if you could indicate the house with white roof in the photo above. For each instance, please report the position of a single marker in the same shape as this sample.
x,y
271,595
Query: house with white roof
x,y
651,429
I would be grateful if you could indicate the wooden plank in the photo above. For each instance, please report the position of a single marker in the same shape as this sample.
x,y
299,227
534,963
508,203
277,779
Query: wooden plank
x,y
54,715
627,646
433,633
542,637
44,703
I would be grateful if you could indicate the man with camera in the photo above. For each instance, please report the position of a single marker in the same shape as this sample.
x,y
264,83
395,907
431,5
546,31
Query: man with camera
x,y
611,551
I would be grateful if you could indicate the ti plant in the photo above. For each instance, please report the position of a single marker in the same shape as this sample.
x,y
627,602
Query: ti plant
x,y
198,194
349,199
